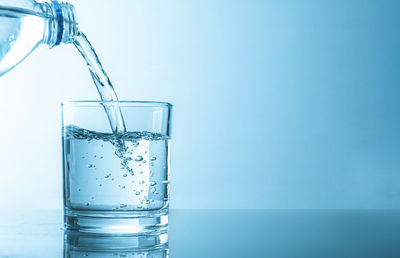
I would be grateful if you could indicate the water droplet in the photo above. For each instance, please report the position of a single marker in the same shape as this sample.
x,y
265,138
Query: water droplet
x,y
144,161
91,166
152,164
79,189
123,187
153,158
138,158
124,175
107,175
87,204
83,157
153,183
95,156
140,164
122,205
112,179
101,157
145,151
137,193
100,185
153,189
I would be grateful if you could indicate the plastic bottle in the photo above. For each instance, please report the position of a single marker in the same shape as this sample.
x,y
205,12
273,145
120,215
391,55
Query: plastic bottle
x,y
26,24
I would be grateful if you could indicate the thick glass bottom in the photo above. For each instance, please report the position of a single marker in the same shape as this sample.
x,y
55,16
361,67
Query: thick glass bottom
x,y
125,223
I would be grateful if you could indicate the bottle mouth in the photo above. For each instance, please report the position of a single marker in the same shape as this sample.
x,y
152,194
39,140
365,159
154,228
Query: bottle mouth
x,y
64,25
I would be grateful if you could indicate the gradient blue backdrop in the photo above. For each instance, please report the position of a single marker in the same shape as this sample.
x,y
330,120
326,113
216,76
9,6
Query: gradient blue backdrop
x,y
278,104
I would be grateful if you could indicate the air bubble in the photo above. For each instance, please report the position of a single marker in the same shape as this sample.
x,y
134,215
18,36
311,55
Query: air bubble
x,y
124,175
87,204
91,166
153,183
165,181
107,175
138,158
144,161
122,205
153,190
153,158
137,193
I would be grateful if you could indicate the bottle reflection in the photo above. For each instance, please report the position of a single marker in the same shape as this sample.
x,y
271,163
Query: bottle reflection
x,y
85,245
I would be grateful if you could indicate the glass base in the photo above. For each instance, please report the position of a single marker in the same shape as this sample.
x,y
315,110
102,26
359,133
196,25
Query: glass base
x,y
116,222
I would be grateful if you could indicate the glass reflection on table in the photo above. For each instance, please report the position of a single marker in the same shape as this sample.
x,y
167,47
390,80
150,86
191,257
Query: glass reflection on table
x,y
89,245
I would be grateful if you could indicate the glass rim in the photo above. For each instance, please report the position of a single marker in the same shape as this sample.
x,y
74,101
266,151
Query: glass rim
x,y
129,103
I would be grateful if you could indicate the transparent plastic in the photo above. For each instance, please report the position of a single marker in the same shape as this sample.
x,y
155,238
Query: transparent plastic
x,y
26,24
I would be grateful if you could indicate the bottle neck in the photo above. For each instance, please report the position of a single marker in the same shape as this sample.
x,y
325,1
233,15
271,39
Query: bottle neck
x,y
62,26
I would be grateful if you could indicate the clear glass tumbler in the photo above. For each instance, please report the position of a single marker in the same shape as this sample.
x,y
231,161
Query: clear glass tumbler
x,y
116,183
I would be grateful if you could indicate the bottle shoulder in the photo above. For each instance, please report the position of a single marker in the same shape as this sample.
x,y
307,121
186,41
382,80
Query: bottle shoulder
x,y
23,4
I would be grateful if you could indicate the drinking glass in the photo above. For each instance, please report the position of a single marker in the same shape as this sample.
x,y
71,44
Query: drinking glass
x,y
116,183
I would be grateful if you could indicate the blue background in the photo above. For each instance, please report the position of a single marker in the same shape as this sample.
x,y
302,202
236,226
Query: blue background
x,y
277,104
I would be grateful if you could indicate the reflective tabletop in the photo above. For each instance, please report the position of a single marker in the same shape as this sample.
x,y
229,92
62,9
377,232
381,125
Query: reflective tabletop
x,y
217,233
